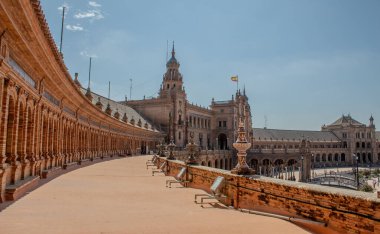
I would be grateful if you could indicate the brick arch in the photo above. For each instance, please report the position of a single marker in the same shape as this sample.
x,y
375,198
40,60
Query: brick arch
x,y
30,131
10,128
21,130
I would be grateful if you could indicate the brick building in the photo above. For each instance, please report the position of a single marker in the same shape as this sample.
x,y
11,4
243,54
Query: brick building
x,y
334,145
171,112
46,120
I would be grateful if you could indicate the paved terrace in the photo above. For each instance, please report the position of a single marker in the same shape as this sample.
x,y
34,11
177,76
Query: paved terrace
x,y
121,196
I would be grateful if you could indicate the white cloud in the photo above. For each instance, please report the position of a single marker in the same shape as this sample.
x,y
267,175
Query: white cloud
x,y
84,53
74,27
90,14
94,4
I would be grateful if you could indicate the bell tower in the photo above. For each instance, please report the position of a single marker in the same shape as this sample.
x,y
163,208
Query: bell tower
x,y
172,79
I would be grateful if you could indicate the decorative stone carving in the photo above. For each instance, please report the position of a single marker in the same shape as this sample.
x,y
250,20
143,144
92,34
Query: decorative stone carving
x,y
76,81
108,109
88,94
171,147
192,150
125,118
242,145
139,123
4,52
117,114
99,104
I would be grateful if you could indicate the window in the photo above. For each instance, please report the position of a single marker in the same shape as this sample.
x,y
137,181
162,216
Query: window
x,y
344,135
179,135
180,120
167,86
220,124
221,110
224,124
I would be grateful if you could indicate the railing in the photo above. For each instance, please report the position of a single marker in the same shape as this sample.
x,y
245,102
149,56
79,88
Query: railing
x,y
52,99
69,111
21,72
338,180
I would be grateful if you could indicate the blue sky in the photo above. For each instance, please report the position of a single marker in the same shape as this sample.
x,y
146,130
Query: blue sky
x,y
304,63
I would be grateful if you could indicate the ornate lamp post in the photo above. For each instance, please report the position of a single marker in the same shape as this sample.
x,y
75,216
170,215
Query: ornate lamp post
x,y
242,145
171,147
192,150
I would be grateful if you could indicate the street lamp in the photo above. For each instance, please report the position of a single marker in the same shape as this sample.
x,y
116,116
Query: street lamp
x,y
357,170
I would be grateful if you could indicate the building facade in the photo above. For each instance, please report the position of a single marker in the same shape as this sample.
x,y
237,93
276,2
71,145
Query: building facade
x,y
46,120
337,144
171,112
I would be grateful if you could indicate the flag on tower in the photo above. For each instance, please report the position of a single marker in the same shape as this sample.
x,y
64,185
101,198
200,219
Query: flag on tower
x,y
235,78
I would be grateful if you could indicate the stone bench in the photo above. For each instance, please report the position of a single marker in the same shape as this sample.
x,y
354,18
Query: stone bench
x,y
66,165
179,178
83,160
15,191
49,172
161,169
216,193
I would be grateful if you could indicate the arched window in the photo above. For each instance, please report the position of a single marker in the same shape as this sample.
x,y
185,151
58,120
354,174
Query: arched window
x,y
369,157
343,157
357,145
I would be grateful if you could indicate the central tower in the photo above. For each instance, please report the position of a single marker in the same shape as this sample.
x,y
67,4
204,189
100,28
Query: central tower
x,y
173,91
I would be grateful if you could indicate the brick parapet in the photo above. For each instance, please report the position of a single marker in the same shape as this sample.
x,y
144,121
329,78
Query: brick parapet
x,y
343,211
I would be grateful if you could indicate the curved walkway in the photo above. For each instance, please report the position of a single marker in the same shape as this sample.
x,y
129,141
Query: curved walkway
x,y
121,196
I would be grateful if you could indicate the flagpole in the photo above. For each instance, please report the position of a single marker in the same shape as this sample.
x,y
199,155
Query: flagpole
x,y
63,19
237,84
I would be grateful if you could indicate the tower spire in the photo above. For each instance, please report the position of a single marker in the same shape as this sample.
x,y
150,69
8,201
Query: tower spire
x,y
173,51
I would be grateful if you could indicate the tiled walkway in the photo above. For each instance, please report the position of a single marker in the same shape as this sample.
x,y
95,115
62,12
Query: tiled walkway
x,y
121,196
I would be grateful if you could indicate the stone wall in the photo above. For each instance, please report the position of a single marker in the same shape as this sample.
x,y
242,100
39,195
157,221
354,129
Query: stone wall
x,y
344,211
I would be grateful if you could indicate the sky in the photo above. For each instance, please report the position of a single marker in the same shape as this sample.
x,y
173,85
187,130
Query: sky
x,y
303,63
